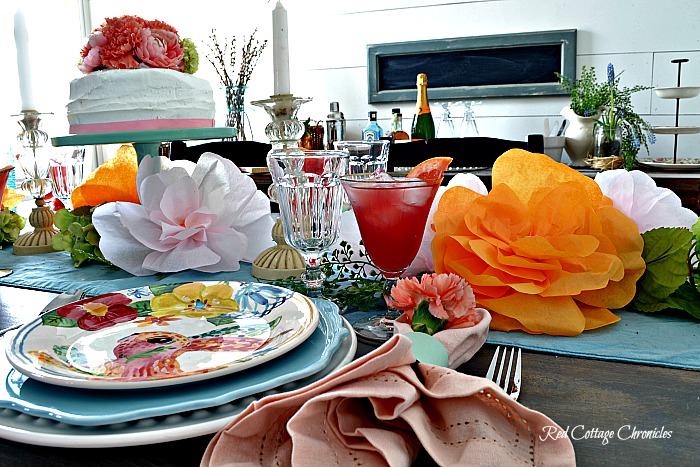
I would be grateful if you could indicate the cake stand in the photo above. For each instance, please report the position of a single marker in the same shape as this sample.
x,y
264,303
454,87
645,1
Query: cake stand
x,y
679,92
145,142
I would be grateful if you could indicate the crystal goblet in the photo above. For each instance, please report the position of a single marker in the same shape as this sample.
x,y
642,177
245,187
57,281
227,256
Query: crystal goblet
x,y
310,199
391,214
66,173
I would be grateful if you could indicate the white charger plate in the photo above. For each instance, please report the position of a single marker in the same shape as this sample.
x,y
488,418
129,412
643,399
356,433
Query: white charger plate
x,y
43,432
162,335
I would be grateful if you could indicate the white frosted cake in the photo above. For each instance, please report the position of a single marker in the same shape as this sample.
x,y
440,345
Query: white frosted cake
x,y
139,99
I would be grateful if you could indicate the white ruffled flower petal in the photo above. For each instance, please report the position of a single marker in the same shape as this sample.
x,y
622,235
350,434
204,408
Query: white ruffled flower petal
x,y
636,195
117,244
207,221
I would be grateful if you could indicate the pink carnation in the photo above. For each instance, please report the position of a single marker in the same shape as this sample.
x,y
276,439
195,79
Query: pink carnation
x,y
123,36
132,42
449,296
406,295
159,48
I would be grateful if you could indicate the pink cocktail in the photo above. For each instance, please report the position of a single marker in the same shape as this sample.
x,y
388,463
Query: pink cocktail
x,y
391,215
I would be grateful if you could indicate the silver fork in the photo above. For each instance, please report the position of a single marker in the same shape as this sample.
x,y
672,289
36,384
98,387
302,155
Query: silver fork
x,y
512,390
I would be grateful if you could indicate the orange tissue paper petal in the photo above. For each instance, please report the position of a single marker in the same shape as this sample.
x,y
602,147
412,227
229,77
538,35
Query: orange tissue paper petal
x,y
525,172
545,251
115,180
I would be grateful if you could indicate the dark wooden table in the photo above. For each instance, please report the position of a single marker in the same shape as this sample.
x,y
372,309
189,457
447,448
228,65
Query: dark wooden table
x,y
589,397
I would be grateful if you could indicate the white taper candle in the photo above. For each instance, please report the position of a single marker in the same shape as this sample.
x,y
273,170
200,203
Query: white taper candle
x,y
280,49
23,65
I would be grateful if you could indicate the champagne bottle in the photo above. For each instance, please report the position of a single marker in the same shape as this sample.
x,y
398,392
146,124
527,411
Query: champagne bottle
x,y
423,126
397,133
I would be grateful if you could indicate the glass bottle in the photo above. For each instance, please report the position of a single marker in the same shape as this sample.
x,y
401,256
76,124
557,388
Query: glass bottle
x,y
372,131
335,125
397,133
423,126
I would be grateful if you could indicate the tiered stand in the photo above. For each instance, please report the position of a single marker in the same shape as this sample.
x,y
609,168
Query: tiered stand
x,y
679,92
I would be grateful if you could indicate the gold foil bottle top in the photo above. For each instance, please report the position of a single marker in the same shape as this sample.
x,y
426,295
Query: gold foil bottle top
x,y
422,79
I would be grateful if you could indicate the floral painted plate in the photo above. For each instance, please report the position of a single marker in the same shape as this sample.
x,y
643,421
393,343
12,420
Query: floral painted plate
x,y
162,335
84,407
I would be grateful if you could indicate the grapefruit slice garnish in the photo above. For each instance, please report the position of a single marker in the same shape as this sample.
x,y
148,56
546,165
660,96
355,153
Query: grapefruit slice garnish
x,y
430,169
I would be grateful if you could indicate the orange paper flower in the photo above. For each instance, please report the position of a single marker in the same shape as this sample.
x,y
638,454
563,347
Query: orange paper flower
x,y
545,251
115,180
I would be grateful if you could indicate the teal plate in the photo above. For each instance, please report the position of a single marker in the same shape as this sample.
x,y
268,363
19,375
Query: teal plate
x,y
85,407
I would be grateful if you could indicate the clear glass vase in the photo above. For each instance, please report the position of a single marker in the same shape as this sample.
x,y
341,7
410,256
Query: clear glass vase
x,y
236,115
608,141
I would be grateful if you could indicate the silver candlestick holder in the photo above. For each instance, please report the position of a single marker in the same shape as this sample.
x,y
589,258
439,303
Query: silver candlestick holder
x,y
34,163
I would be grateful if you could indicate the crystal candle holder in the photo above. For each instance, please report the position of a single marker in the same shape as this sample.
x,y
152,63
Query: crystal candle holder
x,y
34,163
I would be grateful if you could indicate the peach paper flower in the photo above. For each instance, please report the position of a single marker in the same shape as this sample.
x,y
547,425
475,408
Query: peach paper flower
x,y
544,251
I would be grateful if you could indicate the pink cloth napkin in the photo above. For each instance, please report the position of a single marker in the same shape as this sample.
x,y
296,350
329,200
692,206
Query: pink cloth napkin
x,y
461,343
378,411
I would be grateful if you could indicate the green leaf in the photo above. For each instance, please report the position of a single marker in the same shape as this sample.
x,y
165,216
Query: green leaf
x,y
686,298
424,321
63,218
221,320
143,308
161,289
665,252
54,319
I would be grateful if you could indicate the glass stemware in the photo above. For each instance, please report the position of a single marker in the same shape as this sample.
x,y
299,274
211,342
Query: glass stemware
x,y
310,199
446,127
66,173
391,215
467,127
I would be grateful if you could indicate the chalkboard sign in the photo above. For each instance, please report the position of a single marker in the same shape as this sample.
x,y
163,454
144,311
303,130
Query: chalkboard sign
x,y
473,67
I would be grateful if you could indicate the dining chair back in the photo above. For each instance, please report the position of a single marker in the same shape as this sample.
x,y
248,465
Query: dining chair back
x,y
465,152
241,153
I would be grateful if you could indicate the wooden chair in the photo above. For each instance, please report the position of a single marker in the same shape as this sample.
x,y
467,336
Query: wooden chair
x,y
241,153
466,152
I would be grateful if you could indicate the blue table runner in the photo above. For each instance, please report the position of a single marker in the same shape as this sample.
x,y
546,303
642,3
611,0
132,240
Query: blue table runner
x,y
662,339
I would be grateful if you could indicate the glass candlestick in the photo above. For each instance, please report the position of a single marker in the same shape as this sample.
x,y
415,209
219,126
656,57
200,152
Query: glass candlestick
x,y
34,163
293,188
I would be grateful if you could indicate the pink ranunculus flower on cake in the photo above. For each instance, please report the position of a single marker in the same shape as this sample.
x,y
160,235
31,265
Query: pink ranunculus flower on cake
x,y
159,48
207,217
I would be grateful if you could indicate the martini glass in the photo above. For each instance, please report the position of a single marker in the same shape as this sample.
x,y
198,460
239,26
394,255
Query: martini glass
x,y
391,214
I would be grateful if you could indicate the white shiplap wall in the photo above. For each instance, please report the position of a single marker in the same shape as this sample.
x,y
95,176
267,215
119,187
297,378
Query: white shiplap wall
x,y
639,37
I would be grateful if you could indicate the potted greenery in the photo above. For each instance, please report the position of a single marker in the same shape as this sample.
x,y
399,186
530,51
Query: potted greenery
x,y
588,97
606,108
620,131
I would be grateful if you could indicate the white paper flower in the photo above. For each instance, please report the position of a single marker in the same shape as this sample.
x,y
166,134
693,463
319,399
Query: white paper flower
x,y
207,217
636,195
